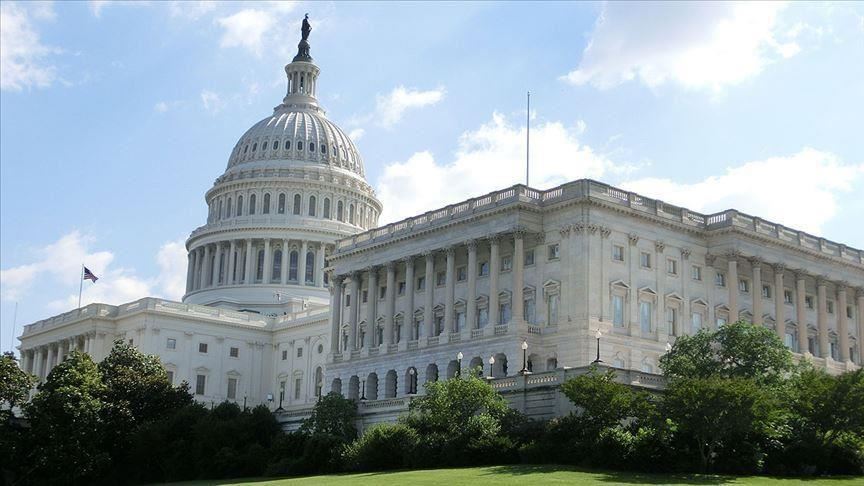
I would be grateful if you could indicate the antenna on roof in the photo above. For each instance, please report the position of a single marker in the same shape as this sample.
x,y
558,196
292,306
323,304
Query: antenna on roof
x,y
528,141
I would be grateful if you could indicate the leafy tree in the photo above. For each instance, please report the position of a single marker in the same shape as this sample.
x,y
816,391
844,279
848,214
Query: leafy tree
x,y
15,383
14,386
738,350
383,446
603,401
333,415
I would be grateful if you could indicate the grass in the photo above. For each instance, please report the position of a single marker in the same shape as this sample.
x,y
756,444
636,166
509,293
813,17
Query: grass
x,y
526,476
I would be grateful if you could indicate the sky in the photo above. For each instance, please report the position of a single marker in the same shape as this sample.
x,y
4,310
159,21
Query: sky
x,y
115,118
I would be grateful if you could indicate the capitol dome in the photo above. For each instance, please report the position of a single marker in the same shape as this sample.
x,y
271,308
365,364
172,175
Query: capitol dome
x,y
294,185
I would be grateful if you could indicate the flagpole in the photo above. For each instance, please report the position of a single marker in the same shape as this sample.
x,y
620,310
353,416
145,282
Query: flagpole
x,y
528,140
80,285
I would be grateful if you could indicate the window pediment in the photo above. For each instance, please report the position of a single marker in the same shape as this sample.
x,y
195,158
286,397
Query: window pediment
x,y
674,297
619,284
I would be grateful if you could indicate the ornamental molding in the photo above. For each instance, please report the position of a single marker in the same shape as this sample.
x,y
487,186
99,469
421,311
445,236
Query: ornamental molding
x,y
633,238
685,253
659,246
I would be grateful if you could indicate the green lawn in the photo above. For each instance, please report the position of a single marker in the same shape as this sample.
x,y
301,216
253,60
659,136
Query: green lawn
x,y
524,476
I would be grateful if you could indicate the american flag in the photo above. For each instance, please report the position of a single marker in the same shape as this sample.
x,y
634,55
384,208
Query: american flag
x,y
88,275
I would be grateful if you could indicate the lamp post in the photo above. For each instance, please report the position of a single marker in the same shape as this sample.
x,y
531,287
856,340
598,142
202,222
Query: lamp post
x,y
244,403
524,369
412,383
281,396
668,347
270,400
598,335
459,357
491,367
363,392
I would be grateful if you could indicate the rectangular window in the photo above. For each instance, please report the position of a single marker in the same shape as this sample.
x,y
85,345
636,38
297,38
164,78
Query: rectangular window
x,y
421,283
696,272
232,388
787,296
299,352
766,291
672,320
483,269
284,355
618,253
348,300
830,306
170,376
744,286
645,260
789,340
504,313
529,257
382,292
439,324
645,313
365,296
401,288
202,347
281,390
672,266
528,310
849,311
554,251
695,322
200,382
461,274
721,321
441,278
506,263
234,352
482,317
552,310
298,386
808,301
171,344
618,310
460,321
720,279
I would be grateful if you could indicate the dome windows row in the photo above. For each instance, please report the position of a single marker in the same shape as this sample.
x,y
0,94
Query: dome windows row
x,y
345,157
287,146
351,212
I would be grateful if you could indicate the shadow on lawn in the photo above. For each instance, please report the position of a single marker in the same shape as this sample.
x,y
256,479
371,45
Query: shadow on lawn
x,y
618,477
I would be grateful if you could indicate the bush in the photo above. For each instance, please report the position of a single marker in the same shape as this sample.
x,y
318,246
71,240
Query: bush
x,y
383,446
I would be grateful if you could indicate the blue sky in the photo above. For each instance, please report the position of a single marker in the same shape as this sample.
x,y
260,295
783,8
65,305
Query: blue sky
x,y
115,118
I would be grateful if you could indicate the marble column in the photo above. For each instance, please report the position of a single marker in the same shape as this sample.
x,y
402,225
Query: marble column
x,y
39,356
249,279
494,270
390,307
428,315
822,317
779,304
232,263
371,310
450,289
335,312
301,263
218,265
842,323
283,274
49,363
756,290
208,268
471,304
518,305
410,287
190,270
196,270
732,285
352,310
268,262
318,274
801,312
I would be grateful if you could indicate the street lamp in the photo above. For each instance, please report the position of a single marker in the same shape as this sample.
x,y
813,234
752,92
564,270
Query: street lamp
x,y
459,357
270,400
524,370
412,383
244,403
668,347
491,369
598,335
363,392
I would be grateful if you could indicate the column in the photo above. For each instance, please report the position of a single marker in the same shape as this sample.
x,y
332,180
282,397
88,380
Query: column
x,y
25,360
822,317
301,263
268,262
371,325
208,267
471,304
217,267
430,292
352,310
232,262
335,311
732,285
49,363
756,291
39,356
450,289
779,305
633,268
860,339
708,279
494,270
390,307
518,276
249,278
190,270
801,312
196,270
842,323
283,276
319,265
410,287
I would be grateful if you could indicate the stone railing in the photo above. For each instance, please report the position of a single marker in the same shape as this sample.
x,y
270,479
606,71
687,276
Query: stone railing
x,y
589,189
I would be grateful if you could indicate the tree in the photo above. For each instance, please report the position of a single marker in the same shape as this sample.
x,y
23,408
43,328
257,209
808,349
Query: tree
x,y
14,386
15,383
603,401
739,350
333,415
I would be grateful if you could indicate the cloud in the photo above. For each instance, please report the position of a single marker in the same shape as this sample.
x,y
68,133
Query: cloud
x,y
58,265
246,28
698,45
489,158
799,190
212,101
23,61
191,10
356,134
390,108
160,107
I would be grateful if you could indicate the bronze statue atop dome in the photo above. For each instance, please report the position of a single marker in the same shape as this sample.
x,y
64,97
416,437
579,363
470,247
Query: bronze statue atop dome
x,y
303,46
306,28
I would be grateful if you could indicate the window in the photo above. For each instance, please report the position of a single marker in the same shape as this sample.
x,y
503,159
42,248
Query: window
x,y
849,311
506,263
326,208
808,301
439,324
617,253
299,145
672,320
171,344
553,251
460,321
696,272
324,149
293,262
348,300
504,313
170,376
264,146
287,144
440,278
284,354
281,204
281,390
311,146
461,274
382,292
720,279
351,213
365,296
695,322
232,388
787,296
645,260
202,347
618,310
266,209
255,146
672,266
310,267
645,314
830,306
200,382
339,211
298,383
252,201
483,269
744,286
552,309
789,340
299,352
529,257
296,208
239,205
259,269
276,145
401,288
528,309
234,352
482,317
421,283
721,321
312,205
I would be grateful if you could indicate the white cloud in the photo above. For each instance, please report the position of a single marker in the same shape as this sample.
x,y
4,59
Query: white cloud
x,y
489,158
246,28
58,265
799,190
96,7
212,101
697,45
160,107
191,10
23,61
390,108
356,134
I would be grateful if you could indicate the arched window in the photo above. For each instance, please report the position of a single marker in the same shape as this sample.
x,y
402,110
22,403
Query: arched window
x,y
300,145
281,208
326,208
310,267
259,273
219,210
246,148
312,204
339,211
252,204
266,209
255,146
311,146
287,144
277,266
292,267
264,146
239,205
319,381
228,212
275,144
296,203
351,213
324,149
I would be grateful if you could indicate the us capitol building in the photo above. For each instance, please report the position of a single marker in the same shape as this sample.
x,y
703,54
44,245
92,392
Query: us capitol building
x,y
293,290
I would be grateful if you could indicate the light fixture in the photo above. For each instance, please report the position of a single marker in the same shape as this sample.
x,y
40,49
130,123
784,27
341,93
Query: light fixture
x,y
524,369
598,335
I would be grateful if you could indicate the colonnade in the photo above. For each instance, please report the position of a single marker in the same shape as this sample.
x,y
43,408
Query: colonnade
x,y
40,360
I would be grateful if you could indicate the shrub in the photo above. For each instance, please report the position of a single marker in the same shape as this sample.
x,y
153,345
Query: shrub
x,y
383,446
